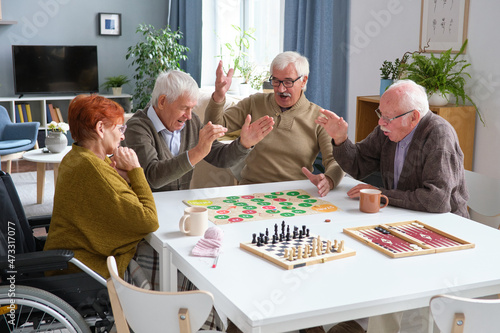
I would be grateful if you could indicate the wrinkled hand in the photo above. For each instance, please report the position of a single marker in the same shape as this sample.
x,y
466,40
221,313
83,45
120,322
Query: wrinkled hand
x,y
222,82
334,125
322,182
208,134
354,192
251,134
123,160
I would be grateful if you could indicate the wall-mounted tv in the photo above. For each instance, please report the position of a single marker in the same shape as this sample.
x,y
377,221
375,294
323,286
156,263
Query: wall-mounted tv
x,y
50,69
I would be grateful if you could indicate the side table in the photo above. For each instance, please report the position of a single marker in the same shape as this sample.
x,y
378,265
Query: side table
x,y
41,159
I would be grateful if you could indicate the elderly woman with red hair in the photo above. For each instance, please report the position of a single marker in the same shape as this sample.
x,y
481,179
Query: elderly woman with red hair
x,y
102,205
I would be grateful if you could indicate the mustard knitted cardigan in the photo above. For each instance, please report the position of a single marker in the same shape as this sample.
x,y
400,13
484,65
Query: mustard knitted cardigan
x,y
97,214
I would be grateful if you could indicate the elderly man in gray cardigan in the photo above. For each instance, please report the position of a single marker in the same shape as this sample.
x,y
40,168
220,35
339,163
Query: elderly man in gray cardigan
x,y
170,140
418,156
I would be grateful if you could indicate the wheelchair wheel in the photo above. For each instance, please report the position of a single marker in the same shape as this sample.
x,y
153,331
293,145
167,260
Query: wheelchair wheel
x,y
28,309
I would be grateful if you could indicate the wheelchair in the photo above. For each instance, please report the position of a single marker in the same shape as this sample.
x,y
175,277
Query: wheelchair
x,y
30,301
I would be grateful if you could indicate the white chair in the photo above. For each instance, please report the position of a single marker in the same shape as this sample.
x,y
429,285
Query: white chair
x,y
454,314
484,198
155,311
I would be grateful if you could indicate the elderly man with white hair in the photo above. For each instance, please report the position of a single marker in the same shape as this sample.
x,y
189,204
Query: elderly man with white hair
x,y
418,156
289,151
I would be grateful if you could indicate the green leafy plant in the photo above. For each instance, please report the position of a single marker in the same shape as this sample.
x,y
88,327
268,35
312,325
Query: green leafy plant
x,y
158,52
115,81
237,51
445,74
391,70
257,80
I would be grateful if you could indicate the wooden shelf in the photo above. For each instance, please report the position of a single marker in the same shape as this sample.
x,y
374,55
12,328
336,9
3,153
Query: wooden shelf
x,y
462,118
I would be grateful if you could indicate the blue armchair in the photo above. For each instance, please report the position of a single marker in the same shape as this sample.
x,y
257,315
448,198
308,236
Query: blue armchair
x,y
15,138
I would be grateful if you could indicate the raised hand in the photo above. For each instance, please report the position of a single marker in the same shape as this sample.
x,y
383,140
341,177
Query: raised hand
x,y
251,134
322,182
208,134
222,82
334,125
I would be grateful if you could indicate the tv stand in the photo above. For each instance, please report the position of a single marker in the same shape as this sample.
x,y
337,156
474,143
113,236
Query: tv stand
x,y
38,105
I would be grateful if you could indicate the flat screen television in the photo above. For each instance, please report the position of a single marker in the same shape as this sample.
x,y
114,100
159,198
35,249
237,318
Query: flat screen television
x,y
49,69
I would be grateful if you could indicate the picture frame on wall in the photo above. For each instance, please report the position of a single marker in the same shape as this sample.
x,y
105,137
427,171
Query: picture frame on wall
x,y
110,24
443,25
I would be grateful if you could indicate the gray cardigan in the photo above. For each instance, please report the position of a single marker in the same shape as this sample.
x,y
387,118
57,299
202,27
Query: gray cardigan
x,y
432,178
164,171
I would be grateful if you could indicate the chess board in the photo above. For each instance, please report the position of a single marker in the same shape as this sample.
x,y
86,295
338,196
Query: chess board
x,y
285,253
408,238
260,206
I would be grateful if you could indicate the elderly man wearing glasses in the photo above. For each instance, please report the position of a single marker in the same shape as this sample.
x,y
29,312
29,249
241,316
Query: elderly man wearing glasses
x,y
289,151
418,156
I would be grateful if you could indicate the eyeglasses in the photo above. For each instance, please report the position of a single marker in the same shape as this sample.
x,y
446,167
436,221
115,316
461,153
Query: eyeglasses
x,y
286,83
122,128
388,120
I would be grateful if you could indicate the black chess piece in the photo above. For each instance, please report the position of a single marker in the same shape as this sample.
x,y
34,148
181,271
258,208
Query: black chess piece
x,y
266,239
254,240
307,232
274,239
281,237
304,229
267,232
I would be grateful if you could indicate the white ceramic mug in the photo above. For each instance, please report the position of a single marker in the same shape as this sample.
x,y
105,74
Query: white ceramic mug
x,y
369,200
194,222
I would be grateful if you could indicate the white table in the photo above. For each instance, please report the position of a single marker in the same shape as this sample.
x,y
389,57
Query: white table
x,y
259,296
41,159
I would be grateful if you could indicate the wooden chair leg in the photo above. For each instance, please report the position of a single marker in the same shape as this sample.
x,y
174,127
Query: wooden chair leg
x,y
8,169
458,323
184,322
118,315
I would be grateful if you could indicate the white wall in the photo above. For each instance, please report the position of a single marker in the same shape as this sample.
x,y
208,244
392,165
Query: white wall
x,y
385,29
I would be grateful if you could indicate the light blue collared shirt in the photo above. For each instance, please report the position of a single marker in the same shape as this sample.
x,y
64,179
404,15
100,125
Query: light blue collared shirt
x,y
172,139
400,156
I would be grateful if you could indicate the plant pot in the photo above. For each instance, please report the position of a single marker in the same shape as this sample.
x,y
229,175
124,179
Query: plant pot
x,y
244,89
117,91
235,85
56,142
384,84
438,99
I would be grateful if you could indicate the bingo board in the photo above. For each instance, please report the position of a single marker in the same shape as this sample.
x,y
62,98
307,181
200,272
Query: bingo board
x,y
409,238
295,249
261,206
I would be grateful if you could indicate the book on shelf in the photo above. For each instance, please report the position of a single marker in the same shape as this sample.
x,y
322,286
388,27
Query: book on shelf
x,y
19,118
59,114
53,113
25,112
49,116
28,112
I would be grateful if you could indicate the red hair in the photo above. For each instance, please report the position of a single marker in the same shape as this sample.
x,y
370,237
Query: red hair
x,y
85,111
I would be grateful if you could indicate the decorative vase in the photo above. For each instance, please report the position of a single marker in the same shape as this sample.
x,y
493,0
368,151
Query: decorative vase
x,y
117,91
438,99
56,142
384,84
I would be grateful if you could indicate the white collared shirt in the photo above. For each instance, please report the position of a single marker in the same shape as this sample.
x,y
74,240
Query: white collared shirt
x,y
172,139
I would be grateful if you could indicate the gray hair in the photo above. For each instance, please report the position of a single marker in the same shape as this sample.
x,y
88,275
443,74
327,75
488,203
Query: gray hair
x,y
282,60
412,97
174,84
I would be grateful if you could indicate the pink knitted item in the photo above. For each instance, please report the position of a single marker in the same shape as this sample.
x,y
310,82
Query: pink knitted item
x,y
210,245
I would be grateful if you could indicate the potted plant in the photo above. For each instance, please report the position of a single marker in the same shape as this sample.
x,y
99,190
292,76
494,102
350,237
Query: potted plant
x,y
443,75
158,52
388,73
115,83
56,140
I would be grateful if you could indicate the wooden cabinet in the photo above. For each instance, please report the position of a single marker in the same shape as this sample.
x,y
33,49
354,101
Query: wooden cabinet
x,y
462,118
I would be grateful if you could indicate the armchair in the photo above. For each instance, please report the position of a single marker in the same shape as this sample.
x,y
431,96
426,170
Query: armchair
x,y
15,138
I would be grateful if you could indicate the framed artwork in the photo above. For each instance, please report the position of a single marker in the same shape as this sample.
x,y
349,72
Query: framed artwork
x,y
443,25
110,24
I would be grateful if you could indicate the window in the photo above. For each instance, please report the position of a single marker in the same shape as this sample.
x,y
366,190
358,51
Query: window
x,y
266,16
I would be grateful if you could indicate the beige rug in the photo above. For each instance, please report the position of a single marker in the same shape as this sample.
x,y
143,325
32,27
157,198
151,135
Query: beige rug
x,y
26,188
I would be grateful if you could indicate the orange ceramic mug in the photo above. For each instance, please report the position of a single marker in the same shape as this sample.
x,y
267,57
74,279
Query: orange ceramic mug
x,y
369,200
